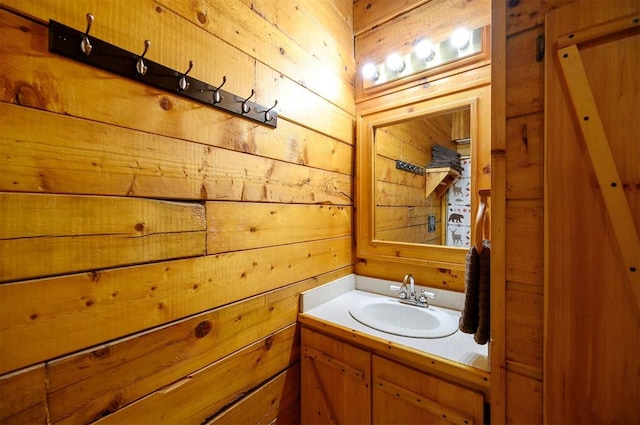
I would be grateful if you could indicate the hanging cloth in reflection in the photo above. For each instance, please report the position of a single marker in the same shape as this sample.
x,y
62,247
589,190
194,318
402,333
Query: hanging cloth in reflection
x,y
475,315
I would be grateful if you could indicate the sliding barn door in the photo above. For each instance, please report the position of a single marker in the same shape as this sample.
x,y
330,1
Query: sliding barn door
x,y
592,205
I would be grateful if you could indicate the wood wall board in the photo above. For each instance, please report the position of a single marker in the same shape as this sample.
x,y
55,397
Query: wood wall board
x,y
325,73
90,308
525,76
299,105
43,80
524,237
524,15
450,279
28,258
435,19
260,225
395,194
523,335
200,395
387,173
23,397
392,217
368,15
591,324
523,399
48,235
524,156
85,386
55,162
316,26
268,404
30,215
116,23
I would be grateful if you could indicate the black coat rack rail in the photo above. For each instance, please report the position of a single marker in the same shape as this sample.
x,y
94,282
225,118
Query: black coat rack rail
x,y
84,48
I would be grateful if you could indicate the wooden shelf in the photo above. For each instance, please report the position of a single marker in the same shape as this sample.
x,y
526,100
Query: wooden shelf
x,y
438,180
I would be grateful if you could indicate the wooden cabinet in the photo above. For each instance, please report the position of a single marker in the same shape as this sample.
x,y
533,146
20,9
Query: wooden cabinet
x,y
335,382
402,395
343,384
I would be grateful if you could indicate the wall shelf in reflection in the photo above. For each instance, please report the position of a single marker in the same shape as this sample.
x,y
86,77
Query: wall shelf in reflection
x,y
438,180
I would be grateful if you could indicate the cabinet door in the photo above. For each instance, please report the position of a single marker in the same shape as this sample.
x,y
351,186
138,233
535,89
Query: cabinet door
x,y
402,395
335,381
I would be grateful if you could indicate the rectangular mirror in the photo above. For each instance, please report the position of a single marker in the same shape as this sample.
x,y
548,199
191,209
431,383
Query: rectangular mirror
x,y
420,167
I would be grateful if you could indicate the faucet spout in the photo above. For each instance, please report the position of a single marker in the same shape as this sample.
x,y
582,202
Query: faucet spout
x,y
408,279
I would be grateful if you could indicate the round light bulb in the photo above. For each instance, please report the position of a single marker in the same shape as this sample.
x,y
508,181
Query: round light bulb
x,y
460,38
395,63
370,71
424,50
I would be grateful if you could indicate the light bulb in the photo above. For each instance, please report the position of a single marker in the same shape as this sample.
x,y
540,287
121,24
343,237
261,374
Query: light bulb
x,y
460,38
424,50
395,63
370,71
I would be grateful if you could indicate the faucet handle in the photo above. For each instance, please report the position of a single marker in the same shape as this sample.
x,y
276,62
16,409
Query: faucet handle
x,y
425,296
403,291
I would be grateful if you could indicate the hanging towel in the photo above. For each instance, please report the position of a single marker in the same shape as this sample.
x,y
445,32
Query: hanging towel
x,y
470,314
484,289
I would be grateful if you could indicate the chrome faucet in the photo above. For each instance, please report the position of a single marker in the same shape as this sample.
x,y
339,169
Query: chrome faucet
x,y
408,295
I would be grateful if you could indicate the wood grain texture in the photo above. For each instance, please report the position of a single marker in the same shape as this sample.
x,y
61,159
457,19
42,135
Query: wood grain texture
x,y
23,397
90,308
592,334
524,156
524,237
49,235
165,113
202,394
525,76
91,384
260,225
523,399
277,398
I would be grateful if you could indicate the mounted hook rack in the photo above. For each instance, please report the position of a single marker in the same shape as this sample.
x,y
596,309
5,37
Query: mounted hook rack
x,y
76,45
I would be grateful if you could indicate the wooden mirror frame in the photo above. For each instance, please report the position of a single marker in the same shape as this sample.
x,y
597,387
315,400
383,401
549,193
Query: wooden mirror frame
x,y
367,247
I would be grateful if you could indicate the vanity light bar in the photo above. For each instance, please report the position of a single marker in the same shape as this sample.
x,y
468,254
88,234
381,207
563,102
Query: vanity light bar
x,y
442,53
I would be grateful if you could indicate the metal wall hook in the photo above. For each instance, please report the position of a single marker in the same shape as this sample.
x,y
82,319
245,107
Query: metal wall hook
x,y
216,94
85,44
183,84
246,108
141,68
267,114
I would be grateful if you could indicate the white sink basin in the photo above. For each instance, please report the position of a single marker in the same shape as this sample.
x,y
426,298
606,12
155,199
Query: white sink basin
x,y
389,315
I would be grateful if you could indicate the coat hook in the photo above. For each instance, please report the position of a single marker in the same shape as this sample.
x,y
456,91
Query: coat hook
x,y
183,84
140,66
245,107
216,94
267,114
85,44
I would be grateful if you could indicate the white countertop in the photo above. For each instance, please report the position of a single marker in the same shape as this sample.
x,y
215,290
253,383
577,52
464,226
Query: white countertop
x,y
331,303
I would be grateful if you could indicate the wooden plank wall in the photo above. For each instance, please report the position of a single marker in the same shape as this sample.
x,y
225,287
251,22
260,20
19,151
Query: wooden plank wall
x,y
152,249
524,212
382,27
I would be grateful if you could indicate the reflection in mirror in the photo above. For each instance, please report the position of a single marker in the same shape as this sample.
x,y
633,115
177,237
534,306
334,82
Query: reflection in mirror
x,y
422,178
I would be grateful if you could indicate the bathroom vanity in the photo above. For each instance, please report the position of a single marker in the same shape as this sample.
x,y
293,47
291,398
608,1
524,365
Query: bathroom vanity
x,y
352,373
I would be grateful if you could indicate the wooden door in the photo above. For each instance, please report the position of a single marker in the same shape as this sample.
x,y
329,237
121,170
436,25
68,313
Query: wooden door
x,y
335,383
402,395
592,206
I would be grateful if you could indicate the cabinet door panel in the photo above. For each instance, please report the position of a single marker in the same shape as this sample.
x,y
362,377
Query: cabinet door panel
x,y
402,395
335,387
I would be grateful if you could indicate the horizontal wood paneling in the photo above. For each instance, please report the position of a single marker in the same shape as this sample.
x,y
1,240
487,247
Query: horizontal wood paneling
x,y
98,306
23,397
39,79
87,158
277,398
91,384
261,224
59,234
451,279
368,15
202,394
